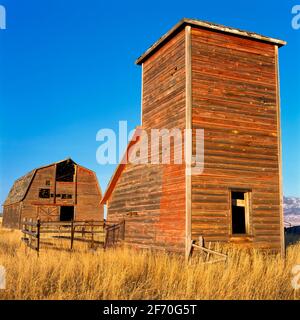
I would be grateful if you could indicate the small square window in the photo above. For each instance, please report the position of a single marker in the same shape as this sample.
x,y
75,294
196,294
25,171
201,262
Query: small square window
x,y
47,182
44,193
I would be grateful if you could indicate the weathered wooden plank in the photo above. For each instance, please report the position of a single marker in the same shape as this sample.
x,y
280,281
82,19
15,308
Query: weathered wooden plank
x,y
234,101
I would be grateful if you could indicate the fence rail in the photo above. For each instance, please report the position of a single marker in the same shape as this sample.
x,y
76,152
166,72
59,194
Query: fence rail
x,y
90,231
114,234
31,231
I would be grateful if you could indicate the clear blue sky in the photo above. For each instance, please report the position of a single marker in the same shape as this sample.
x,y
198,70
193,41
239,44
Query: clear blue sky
x,y
67,70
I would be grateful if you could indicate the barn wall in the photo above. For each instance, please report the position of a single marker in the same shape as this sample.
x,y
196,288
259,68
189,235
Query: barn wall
x,y
44,208
38,182
234,101
11,216
87,201
136,199
151,198
68,188
88,196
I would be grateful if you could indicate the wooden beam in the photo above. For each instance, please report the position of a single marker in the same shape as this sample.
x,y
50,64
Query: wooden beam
x,y
20,214
210,251
75,185
188,142
142,94
54,191
282,251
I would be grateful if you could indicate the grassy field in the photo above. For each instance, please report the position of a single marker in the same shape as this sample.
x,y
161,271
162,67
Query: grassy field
x,y
128,274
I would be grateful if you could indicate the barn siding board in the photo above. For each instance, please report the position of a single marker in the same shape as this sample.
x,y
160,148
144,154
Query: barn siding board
x,y
11,215
88,196
234,100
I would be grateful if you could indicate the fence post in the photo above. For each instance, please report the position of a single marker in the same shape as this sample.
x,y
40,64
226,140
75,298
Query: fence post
x,y
24,226
92,224
24,234
123,230
114,229
106,237
72,234
38,231
30,229
118,233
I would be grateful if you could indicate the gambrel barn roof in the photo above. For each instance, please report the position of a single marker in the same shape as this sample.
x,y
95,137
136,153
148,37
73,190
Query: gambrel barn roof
x,y
19,189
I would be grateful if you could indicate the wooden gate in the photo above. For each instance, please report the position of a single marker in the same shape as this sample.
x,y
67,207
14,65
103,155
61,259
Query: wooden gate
x,y
96,233
114,234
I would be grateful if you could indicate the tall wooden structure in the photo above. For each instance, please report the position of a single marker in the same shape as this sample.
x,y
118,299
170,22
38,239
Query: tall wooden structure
x,y
61,191
201,75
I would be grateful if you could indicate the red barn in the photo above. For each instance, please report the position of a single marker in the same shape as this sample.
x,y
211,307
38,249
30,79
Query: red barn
x,y
61,191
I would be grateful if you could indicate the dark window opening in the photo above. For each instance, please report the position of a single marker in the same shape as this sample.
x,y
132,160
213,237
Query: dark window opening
x,y
66,213
240,212
66,196
44,193
47,182
65,171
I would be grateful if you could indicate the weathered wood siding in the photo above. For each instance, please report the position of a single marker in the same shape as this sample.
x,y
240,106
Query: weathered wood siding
x,y
33,205
234,101
151,197
136,199
85,192
88,197
11,216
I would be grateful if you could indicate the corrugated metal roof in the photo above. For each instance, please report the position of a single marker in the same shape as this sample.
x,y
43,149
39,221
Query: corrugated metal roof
x,y
207,25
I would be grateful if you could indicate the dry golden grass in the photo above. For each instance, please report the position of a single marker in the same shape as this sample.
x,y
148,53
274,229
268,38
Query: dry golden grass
x,y
128,274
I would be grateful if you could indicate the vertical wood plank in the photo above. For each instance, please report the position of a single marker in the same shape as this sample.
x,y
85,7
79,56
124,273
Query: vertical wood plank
x,y
279,153
142,94
38,231
75,189
72,234
54,191
188,142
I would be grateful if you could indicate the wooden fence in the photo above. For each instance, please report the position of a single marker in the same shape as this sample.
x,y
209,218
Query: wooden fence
x,y
114,234
210,256
31,231
96,233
